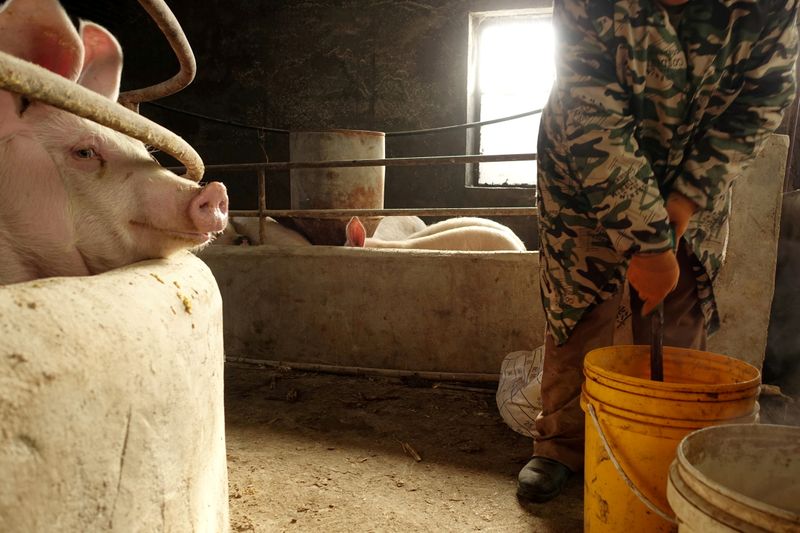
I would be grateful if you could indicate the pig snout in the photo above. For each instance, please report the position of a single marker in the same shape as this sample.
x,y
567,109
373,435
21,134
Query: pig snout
x,y
208,210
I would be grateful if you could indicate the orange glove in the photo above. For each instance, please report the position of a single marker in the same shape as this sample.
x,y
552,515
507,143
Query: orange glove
x,y
653,276
679,209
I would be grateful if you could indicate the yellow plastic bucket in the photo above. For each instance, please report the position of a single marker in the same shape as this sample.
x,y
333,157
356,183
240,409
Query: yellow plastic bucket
x,y
634,425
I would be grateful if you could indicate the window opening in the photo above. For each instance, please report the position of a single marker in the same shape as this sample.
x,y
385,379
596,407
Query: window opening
x,y
511,72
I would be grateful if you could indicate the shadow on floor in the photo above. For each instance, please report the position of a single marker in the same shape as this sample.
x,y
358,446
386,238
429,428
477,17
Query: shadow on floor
x,y
317,452
441,425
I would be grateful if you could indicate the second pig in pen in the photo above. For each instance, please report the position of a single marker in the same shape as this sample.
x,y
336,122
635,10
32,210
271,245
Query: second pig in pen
x,y
462,233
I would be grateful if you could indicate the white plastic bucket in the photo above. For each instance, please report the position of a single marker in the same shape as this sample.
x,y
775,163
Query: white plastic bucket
x,y
739,477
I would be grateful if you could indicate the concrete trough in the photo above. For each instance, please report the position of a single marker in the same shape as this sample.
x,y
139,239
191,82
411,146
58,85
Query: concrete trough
x,y
409,310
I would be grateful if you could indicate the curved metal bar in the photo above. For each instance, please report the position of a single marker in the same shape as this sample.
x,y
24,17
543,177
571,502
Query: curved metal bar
x,y
37,83
171,28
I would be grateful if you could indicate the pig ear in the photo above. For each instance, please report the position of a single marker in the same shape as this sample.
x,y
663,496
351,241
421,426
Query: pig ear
x,y
102,63
356,233
40,31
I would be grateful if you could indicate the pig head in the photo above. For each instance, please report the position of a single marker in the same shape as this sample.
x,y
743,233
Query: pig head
x,y
77,198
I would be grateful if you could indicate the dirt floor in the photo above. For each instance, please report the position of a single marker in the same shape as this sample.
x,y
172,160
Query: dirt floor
x,y
318,452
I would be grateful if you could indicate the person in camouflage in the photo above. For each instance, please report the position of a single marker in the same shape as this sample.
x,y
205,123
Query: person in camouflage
x,y
657,107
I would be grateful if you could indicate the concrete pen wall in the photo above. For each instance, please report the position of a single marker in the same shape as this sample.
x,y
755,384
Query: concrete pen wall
x,y
111,402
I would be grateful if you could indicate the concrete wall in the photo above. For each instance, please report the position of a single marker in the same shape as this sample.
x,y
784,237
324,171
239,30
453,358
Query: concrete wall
x,y
456,311
111,402
430,311
782,364
747,280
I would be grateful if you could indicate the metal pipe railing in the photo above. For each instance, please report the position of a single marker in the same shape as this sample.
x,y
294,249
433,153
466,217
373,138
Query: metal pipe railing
x,y
417,211
38,83
262,168
171,28
352,163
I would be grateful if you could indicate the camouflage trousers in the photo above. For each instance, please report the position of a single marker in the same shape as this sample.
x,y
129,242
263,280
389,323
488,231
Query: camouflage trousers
x,y
560,425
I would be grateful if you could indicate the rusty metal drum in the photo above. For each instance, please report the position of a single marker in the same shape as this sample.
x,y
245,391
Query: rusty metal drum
x,y
335,188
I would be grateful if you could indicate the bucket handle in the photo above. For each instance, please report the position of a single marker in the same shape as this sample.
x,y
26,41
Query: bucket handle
x,y
644,499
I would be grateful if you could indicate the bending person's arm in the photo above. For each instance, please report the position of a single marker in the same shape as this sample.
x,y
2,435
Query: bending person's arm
x,y
723,150
604,155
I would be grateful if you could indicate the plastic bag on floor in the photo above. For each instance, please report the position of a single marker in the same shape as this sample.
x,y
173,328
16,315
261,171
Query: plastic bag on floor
x,y
519,393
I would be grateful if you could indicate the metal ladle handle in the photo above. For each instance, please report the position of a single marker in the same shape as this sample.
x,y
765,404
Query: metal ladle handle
x,y
657,343
657,330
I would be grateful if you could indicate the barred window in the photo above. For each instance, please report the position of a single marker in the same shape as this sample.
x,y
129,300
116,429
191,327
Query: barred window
x,y
511,71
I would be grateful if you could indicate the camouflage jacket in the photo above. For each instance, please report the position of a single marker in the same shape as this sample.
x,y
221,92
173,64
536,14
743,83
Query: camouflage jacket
x,y
650,100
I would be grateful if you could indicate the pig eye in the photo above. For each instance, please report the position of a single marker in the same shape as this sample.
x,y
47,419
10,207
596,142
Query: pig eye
x,y
85,153
24,104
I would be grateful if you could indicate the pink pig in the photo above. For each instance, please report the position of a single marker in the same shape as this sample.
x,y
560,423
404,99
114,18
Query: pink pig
x,y
77,198
460,234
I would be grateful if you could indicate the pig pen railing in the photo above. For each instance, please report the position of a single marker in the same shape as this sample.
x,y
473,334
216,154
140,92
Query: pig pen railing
x,y
262,169
38,83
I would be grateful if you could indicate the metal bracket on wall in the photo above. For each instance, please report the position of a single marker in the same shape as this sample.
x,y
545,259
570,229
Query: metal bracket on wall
x,y
171,28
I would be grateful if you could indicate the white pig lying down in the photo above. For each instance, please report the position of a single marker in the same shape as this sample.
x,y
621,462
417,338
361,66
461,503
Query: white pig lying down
x,y
462,233
243,231
79,198
397,228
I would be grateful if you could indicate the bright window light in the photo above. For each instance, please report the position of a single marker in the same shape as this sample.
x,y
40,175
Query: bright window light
x,y
514,72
